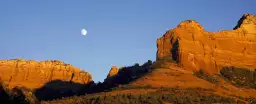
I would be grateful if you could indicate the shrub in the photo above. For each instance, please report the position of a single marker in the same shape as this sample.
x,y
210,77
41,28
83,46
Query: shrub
x,y
163,63
251,100
4,97
204,75
240,77
185,96
126,75
15,96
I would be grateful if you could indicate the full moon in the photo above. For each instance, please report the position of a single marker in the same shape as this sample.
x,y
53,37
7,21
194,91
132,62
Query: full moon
x,y
83,32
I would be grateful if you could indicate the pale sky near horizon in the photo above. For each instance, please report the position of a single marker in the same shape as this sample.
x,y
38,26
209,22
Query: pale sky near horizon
x,y
120,32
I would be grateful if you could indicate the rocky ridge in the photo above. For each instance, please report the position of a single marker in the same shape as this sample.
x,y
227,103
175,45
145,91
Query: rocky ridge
x,y
33,74
194,48
113,71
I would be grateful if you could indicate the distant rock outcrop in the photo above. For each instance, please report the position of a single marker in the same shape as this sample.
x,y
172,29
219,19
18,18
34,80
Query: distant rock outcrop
x,y
125,75
194,48
113,71
32,74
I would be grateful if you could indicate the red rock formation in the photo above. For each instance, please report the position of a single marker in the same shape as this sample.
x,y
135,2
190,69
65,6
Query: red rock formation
x,y
32,74
113,71
111,75
195,48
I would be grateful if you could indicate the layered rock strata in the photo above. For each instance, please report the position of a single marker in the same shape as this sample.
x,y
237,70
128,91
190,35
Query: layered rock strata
x,y
194,48
33,74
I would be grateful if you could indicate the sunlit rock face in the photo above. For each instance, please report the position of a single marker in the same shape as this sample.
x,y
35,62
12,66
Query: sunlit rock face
x,y
113,71
32,74
194,48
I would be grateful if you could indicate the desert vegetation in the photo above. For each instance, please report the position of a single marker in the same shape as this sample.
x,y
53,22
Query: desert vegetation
x,y
163,63
240,77
57,89
189,96
204,75
17,95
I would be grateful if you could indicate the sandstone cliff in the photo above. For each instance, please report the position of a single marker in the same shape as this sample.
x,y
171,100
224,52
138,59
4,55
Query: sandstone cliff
x,y
32,74
113,71
194,48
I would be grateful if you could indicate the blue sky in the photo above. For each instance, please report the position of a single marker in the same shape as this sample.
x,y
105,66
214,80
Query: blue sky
x,y
120,32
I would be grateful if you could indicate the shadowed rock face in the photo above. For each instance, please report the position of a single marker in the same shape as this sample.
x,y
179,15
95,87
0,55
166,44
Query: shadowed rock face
x,y
32,74
194,48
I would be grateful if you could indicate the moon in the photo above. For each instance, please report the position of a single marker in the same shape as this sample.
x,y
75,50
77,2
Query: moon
x,y
83,32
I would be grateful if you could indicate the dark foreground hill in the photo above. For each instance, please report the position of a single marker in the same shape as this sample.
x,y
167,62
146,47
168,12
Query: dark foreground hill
x,y
173,85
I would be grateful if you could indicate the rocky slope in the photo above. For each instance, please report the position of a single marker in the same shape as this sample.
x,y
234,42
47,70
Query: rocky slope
x,y
32,74
186,47
168,86
194,48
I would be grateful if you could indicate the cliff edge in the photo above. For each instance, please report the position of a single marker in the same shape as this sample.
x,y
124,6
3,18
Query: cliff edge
x,y
32,74
193,48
